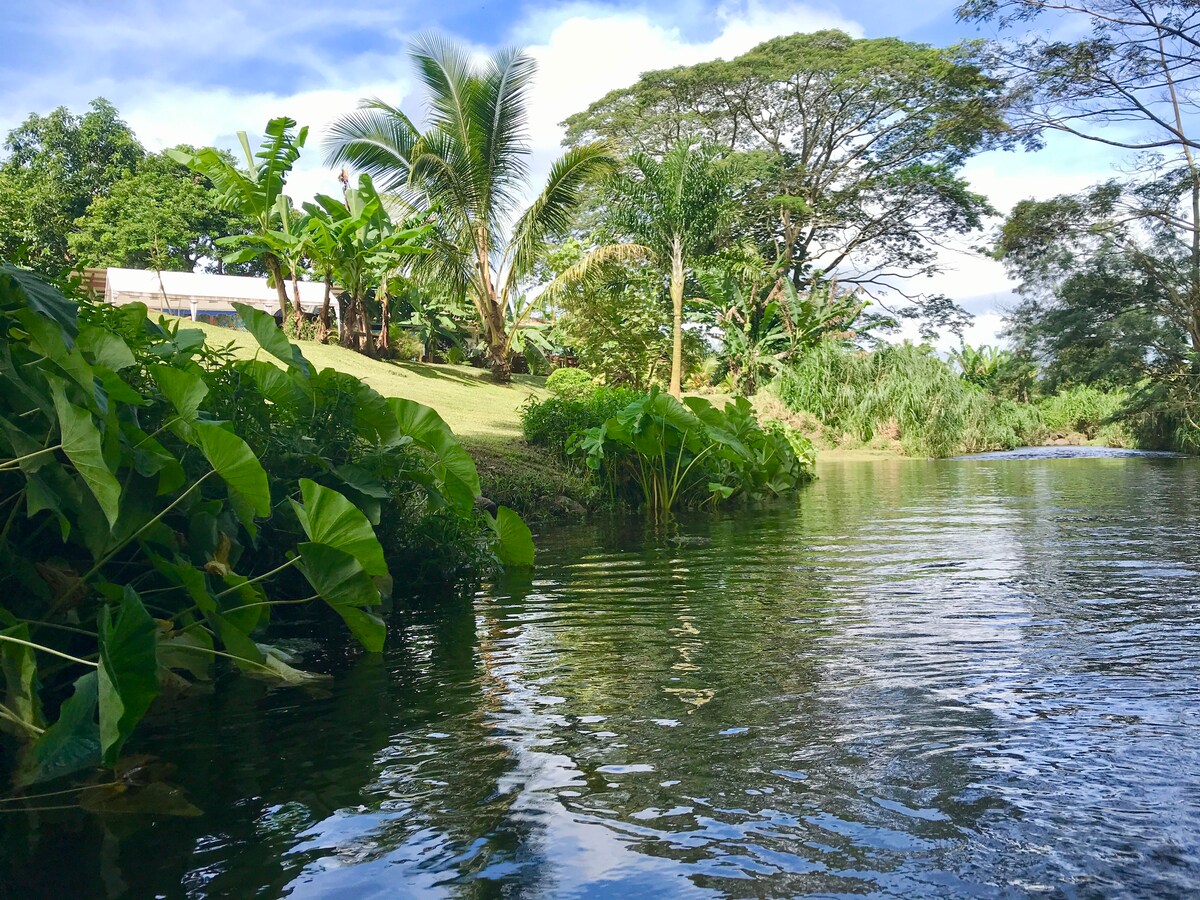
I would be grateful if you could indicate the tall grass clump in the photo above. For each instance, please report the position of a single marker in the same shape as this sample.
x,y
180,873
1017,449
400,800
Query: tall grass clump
x,y
907,394
1089,411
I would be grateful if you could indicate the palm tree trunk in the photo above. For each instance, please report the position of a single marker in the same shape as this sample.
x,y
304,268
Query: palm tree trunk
x,y
677,324
323,318
349,335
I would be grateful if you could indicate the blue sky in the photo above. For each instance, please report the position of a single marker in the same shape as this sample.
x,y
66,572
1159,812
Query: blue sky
x,y
197,71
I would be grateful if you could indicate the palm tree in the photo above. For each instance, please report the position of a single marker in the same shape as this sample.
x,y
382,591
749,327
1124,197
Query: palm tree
x,y
255,192
470,169
671,209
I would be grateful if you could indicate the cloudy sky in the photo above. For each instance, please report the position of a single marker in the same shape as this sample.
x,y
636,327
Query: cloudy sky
x,y
198,72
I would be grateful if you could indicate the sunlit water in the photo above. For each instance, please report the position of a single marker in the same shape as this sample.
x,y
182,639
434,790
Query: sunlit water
x,y
956,678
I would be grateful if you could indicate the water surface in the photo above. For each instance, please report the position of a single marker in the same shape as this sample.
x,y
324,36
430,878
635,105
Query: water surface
x,y
954,678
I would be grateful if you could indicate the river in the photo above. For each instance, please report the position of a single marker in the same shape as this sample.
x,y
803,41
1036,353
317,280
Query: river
x,y
974,677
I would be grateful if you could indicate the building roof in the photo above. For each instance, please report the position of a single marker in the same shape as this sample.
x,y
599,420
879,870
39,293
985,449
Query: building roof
x,y
211,293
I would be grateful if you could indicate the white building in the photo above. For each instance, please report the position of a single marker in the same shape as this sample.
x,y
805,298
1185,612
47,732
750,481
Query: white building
x,y
200,295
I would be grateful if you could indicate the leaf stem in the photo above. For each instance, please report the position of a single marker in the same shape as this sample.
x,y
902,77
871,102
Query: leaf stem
x,y
52,652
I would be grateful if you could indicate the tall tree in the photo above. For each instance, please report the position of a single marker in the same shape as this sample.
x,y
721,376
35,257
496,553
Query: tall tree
x,y
853,150
55,167
1131,83
160,216
255,193
672,209
470,169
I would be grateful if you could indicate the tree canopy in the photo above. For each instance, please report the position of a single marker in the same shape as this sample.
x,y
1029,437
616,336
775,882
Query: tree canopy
x,y
851,149
56,166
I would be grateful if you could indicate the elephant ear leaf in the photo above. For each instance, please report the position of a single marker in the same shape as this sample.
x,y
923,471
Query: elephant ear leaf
x,y
71,743
186,390
329,518
342,583
128,672
271,339
514,541
235,462
81,442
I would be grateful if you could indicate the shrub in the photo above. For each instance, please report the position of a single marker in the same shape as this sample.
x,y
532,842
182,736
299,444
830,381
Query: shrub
x,y
551,423
152,472
1083,409
405,345
570,384
663,453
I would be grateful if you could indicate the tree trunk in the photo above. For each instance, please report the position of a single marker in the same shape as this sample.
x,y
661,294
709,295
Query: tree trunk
x,y
677,323
384,344
365,345
498,345
323,318
275,270
348,337
297,309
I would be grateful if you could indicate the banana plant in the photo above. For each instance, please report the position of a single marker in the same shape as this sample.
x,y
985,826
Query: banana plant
x,y
365,247
255,192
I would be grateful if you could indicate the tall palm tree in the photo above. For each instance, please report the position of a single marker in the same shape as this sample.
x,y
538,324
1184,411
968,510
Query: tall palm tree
x,y
671,210
674,207
470,169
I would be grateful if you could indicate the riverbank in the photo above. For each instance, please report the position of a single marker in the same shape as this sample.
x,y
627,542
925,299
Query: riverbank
x,y
486,417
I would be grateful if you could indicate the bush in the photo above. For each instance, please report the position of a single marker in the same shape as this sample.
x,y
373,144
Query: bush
x,y
570,384
233,492
905,394
405,345
1082,409
661,453
551,423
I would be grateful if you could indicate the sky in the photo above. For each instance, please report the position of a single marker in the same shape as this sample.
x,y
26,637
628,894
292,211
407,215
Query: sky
x,y
198,72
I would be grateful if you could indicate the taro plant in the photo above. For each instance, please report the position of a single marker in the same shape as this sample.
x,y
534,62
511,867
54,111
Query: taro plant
x,y
142,539
669,454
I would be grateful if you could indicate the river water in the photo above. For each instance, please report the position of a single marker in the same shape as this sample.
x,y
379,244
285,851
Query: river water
x,y
972,677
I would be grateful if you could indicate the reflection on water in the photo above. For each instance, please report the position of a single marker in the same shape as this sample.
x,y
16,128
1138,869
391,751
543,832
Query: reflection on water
x,y
959,678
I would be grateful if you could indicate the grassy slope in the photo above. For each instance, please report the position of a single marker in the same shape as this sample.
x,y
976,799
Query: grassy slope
x,y
467,399
485,415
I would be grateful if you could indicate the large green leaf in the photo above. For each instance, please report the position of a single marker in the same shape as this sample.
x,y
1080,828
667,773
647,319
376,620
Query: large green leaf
x,y
237,465
270,338
422,424
347,588
105,348
19,668
128,673
514,545
186,390
20,287
460,477
71,743
329,518
81,442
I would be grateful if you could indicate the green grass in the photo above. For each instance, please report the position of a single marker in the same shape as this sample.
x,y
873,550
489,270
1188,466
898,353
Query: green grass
x,y
470,402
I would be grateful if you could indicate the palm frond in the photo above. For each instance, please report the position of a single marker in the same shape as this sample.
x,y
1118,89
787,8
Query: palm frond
x,y
502,123
552,209
377,139
594,268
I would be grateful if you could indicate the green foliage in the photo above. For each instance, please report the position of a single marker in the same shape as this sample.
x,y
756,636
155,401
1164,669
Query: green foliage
x,y
571,384
906,394
551,423
159,216
406,345
1082,409
56,166
765,321
666,454
848,152
146,523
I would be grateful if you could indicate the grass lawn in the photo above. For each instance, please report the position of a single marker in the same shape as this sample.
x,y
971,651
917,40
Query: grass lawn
x,y
466,398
